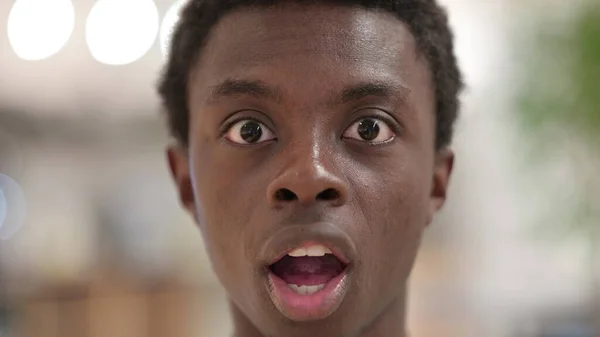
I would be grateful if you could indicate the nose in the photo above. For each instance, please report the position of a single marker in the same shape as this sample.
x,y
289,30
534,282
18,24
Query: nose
x,y
305,183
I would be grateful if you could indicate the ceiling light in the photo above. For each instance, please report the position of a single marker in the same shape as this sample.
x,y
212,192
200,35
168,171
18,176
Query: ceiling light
x,y
120,32
38,29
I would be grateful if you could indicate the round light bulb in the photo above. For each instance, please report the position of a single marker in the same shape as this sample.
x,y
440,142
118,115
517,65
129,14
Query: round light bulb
x,y
38,29
119,32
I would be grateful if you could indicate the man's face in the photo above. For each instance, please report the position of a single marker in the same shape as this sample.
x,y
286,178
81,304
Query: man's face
x,y
312,128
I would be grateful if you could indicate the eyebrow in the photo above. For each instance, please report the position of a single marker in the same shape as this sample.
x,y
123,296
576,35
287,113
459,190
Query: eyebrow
x,y
363,90
260,90
240,87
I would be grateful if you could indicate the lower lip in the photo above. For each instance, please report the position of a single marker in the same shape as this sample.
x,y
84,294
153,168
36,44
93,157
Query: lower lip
x,y
311,307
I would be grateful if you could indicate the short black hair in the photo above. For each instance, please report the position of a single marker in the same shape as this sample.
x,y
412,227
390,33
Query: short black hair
x,y
427,21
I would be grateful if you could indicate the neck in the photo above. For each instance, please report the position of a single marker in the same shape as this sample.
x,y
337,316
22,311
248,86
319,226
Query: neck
x,y
389,323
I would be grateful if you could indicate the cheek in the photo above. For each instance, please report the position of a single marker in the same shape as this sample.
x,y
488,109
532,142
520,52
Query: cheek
x,y
226,211
394,195
230,188
396,214
403,213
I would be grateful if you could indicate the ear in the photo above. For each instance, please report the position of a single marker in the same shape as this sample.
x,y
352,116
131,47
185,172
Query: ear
x,y
179,163
444,163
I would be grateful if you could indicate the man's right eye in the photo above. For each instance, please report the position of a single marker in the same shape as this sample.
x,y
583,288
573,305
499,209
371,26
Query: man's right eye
x,y
249,131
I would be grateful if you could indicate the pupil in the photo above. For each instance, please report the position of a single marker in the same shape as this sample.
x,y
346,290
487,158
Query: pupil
x,y
368,129
251,132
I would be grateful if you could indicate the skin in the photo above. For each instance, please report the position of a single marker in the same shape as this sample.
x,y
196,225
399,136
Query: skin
x,y
386,193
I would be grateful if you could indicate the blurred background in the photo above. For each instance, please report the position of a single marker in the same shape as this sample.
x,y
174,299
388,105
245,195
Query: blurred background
x,y
93,242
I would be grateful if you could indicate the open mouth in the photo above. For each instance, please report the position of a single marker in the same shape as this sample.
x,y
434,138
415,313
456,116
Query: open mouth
x,y
308,283
308,270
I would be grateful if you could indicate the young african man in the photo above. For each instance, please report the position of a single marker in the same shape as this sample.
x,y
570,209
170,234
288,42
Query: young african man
x,y
313,150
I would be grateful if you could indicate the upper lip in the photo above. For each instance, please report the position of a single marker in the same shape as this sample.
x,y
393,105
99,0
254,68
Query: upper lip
x,y
294,236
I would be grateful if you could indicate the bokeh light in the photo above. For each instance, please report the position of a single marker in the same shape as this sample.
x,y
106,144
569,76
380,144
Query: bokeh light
x,y
38,29
12,207
120,32
3,208
169,21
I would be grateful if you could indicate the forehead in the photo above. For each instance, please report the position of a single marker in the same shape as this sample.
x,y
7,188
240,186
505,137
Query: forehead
x,y
257,34
298,45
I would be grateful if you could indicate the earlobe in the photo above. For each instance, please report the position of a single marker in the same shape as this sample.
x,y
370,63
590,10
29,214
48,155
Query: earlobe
x,y
444,163
179,165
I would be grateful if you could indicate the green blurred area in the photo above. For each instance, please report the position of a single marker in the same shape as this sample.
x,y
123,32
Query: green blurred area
x,y
563,87
559,114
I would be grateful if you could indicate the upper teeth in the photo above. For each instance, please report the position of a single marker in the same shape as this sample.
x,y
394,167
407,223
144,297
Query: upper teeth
x,y
314,250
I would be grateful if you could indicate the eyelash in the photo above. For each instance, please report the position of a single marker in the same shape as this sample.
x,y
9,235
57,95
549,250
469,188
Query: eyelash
x,y
229,124
389,121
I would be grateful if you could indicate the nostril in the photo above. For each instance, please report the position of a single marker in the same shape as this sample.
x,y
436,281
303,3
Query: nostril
x,y
283,194
328,194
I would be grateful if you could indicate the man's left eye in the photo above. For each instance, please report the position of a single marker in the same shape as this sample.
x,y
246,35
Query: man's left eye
x,y
370,130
